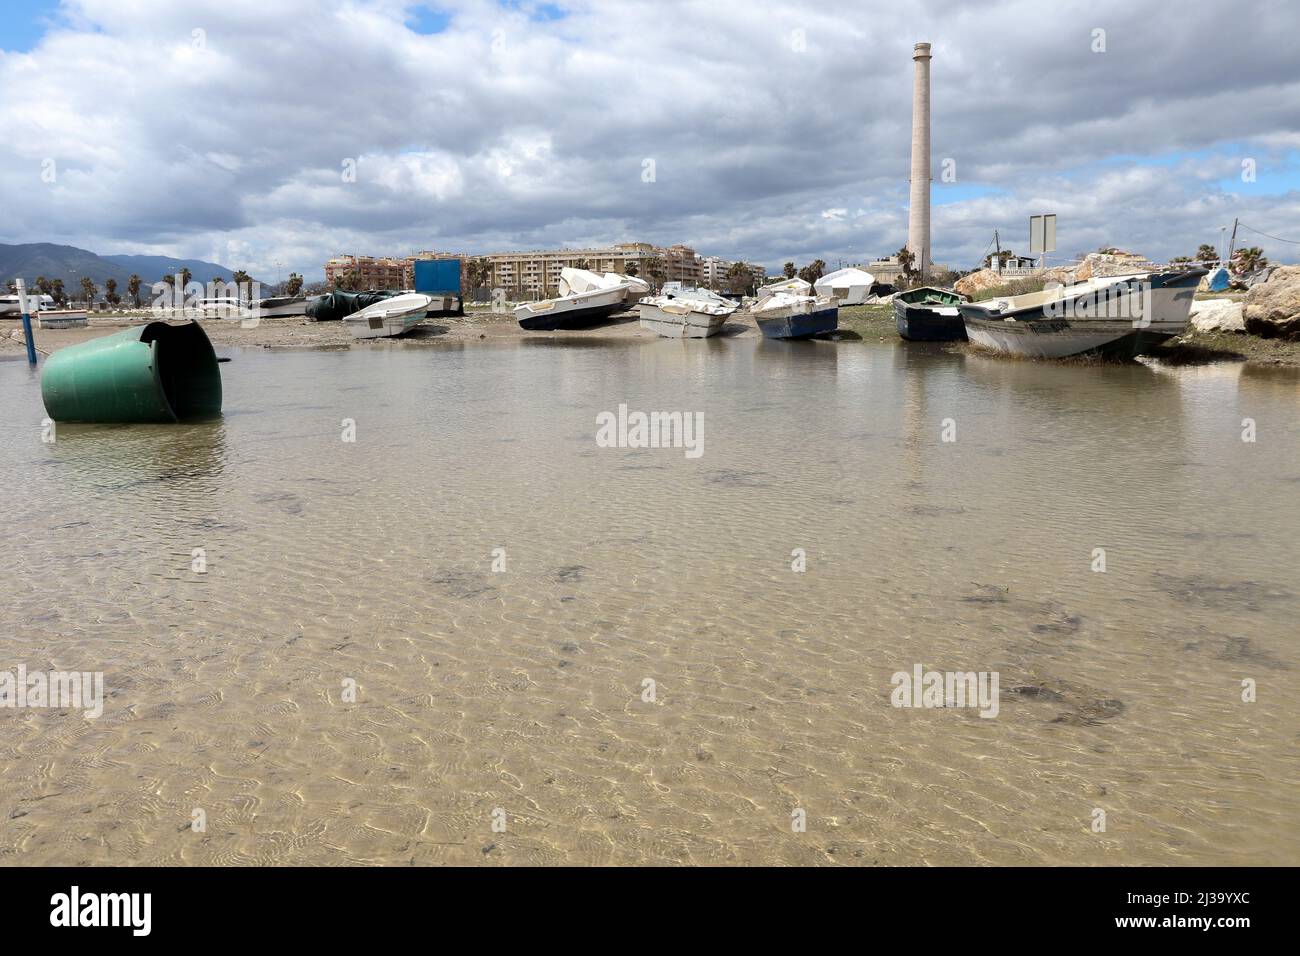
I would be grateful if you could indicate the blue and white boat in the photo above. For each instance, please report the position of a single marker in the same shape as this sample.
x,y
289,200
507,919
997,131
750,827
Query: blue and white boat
x,y
783,315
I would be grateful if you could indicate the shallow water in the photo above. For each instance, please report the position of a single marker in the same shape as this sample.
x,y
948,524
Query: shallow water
x,y
521,693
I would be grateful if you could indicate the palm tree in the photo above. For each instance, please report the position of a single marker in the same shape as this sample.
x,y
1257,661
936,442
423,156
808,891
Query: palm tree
x,y
1207,255
907,263
56,290
632,268
242,281
788,270
1248,260
813,271
133,288
111,295
88,289
740,279
294,285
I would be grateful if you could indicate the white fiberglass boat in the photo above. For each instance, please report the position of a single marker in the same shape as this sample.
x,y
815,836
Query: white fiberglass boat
x,y
795,286
784,315
846,286
389,317
585,299
680,313
1112,315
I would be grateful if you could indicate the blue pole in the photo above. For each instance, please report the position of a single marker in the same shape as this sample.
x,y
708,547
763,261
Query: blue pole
x,y
27,323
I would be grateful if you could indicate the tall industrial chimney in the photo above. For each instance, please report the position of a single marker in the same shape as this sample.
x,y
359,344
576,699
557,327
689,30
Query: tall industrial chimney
x,y
918,213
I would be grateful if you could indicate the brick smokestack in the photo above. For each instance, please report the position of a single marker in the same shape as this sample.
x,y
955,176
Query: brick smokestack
x,y
918,213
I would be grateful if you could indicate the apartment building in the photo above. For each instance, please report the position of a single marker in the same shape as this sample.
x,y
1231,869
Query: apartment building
x,y
367,272
536,274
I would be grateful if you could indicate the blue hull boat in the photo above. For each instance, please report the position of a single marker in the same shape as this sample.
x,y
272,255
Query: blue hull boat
x,y
799,326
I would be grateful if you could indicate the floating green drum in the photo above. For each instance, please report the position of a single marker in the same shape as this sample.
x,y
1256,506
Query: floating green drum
x,y
150,373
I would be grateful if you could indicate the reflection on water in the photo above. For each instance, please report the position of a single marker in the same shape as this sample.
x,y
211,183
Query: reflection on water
x,y
333,562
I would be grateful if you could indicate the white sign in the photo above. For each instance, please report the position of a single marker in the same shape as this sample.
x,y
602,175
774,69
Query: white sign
x,y
1042,234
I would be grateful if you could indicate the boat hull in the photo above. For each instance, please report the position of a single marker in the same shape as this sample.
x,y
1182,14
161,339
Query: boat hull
x,y
799,325
918,323
691,325
579,318
385,327
1051,331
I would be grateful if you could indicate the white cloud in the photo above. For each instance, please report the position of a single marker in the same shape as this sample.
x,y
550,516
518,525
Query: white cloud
x,y
184,128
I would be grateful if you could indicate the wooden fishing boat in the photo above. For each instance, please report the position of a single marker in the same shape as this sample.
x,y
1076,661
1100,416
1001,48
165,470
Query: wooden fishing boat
x,y
928,314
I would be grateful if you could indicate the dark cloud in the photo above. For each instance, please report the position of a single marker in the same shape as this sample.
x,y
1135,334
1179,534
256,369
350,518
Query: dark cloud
x,y
776,130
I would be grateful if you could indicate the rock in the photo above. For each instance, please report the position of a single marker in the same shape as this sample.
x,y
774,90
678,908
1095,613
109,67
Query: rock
x,y
1117,263
977,282
1218,315
1273,307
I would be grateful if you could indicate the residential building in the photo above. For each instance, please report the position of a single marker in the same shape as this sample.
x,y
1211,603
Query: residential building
x,y
535,274
368,272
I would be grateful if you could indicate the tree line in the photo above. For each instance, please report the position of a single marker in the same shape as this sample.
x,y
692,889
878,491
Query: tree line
x,y
57,290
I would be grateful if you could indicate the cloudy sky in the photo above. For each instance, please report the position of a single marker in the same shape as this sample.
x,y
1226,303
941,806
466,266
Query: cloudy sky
x,y
228,129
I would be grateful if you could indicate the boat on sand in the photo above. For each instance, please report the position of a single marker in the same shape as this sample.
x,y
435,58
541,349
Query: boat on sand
x,y
928,314
680,313
1119,316
389,317
784,315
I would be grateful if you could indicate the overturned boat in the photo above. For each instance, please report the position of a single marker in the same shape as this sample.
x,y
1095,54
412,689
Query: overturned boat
x,y
1117,316
585,298
280,306
684,313
389,317
846,286
928,314
784,315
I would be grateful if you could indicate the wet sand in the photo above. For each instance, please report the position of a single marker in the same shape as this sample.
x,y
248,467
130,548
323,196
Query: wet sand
x,y
873,323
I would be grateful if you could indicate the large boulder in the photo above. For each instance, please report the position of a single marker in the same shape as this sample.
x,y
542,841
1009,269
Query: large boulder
x,y
975,283
1273,307
1117,263
1217,315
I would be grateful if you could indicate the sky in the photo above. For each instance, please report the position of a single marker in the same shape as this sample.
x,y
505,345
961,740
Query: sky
x,y
271,135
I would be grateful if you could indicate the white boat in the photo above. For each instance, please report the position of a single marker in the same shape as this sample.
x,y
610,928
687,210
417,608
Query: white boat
x,y
280,306
389,317
1111,315
784,315
682,313
846,286
218,307
793,286
585,299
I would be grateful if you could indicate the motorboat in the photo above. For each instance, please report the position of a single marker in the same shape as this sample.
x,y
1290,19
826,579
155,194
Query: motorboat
x,y
389,317
784,315
685,313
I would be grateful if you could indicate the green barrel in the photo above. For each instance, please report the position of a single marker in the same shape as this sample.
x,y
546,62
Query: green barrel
x,y
149,373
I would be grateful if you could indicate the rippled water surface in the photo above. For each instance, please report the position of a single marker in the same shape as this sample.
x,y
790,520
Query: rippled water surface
x,y
523,692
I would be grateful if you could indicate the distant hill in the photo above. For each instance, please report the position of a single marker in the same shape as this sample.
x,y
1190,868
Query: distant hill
x,y
70,264
153,268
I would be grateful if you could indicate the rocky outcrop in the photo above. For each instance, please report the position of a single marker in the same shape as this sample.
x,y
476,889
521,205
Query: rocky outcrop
x,y
1218,315
1273,307
977,282
1098,264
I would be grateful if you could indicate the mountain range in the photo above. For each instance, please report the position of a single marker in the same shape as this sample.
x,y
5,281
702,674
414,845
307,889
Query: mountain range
x,y
32,259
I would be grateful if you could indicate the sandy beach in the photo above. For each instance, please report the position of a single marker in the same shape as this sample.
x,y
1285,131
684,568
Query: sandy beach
x,y
870,322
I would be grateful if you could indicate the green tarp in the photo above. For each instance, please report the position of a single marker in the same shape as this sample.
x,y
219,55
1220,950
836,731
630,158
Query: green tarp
x,y
333,306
